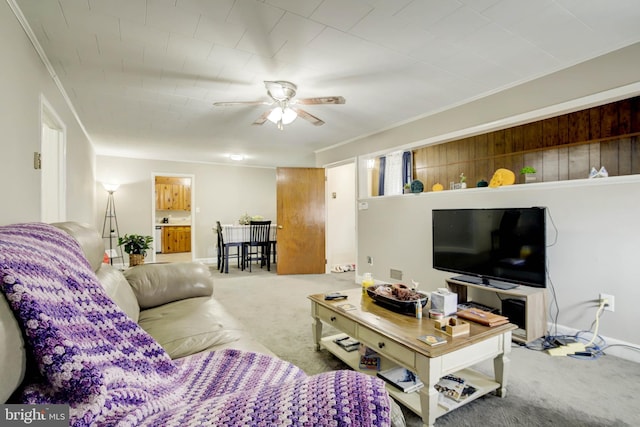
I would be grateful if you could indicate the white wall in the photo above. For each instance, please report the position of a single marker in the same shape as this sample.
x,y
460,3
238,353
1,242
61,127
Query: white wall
x,y
24,80
222,193
595,220
596,249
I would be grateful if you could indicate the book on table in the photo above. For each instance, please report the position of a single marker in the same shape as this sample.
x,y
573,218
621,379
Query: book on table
x,y
432,340
348,343
370,362
369,358
347,307
483,317
451,386
401,378
452,390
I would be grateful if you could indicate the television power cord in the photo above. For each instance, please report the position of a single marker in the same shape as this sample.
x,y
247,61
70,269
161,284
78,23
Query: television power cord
x,y
591,350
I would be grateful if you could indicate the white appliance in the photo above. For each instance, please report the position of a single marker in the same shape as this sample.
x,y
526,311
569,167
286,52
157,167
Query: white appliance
x,y
158,240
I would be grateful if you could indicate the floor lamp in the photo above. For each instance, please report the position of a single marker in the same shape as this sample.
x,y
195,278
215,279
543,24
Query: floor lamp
x,y
110,229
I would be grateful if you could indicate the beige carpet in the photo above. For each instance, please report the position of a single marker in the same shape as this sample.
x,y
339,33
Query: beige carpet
x,y
542,390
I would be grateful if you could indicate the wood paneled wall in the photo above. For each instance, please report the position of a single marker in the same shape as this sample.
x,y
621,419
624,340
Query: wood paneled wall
x,y
560,148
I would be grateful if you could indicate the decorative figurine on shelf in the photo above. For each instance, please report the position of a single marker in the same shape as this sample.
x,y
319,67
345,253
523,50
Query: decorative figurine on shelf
x,y
502,177
417,186
602,173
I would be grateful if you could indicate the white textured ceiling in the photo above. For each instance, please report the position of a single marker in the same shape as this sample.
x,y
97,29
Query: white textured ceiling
x,y
143,74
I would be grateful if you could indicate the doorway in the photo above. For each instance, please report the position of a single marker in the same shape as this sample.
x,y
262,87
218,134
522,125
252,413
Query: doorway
x,y
173,221
53,165
341,216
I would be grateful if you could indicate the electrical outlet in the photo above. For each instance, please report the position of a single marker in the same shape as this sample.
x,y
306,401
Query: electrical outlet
x,y
610,306
370,260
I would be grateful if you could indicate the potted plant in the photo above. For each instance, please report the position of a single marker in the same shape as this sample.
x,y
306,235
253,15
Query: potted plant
x,y
407,188
136,246
529,173
463,181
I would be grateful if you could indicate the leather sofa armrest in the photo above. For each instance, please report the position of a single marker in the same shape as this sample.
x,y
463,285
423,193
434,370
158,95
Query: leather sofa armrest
x,y
13,357
157,284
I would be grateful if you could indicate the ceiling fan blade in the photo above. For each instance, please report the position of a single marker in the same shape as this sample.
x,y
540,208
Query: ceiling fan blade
x,y
309,117
320,100
263,118
236,103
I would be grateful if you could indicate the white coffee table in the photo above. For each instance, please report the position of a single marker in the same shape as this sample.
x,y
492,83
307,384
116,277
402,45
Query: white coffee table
x,y
394,337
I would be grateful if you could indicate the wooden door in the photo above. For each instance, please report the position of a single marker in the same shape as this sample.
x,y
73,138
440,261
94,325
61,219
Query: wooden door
x,y
300,220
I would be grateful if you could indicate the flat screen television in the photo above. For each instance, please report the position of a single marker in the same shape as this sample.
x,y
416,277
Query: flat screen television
x,y
494,247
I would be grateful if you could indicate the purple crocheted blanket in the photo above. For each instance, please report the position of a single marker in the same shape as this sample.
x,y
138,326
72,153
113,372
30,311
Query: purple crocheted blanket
x,y
87,353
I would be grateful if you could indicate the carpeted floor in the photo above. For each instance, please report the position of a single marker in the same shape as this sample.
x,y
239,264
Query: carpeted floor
x,y
542,390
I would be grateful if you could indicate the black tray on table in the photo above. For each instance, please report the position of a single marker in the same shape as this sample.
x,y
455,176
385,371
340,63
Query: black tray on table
x,y
393,304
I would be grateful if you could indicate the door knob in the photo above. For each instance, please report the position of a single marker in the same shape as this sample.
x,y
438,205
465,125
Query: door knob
x,y
279,227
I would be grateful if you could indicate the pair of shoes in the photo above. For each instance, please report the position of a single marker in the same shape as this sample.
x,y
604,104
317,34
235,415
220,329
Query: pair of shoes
x,y
602,173
343,268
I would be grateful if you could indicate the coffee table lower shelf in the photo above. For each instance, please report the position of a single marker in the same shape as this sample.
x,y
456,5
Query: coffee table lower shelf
x,y
481,382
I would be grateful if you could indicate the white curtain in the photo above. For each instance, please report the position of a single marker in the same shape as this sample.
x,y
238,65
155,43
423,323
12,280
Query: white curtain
x,y
393,174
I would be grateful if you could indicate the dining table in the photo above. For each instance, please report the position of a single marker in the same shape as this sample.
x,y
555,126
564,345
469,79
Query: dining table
x,y
237,234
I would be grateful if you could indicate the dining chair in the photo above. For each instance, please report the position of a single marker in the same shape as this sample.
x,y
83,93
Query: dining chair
x,y
258,247
224,251
219,246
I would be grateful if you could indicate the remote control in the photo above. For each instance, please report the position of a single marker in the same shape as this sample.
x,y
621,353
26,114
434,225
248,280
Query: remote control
x,y
334,295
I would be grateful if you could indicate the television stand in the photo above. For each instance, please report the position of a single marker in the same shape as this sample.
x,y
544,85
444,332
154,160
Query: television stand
x,y
535,305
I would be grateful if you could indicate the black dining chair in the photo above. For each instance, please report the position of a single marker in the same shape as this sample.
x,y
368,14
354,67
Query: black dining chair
x,y
224,251
258,247
219,247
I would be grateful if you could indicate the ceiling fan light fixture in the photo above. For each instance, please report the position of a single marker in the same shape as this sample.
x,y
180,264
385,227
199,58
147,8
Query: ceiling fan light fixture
x,y
282,115
281,93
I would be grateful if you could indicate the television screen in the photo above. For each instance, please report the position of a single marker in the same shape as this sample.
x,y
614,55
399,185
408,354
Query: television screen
x,y
491,246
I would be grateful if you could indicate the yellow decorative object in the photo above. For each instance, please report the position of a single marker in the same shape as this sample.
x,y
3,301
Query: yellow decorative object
x,y
502,177
437,187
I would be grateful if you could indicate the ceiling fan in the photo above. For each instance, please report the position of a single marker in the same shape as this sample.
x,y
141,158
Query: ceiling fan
x,y
282,95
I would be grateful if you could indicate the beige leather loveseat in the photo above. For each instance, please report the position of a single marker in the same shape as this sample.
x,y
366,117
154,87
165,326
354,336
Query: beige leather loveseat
x,y
172,302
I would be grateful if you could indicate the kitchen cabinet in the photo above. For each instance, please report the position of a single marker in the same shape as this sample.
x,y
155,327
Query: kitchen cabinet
x,y
176,239
173,193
